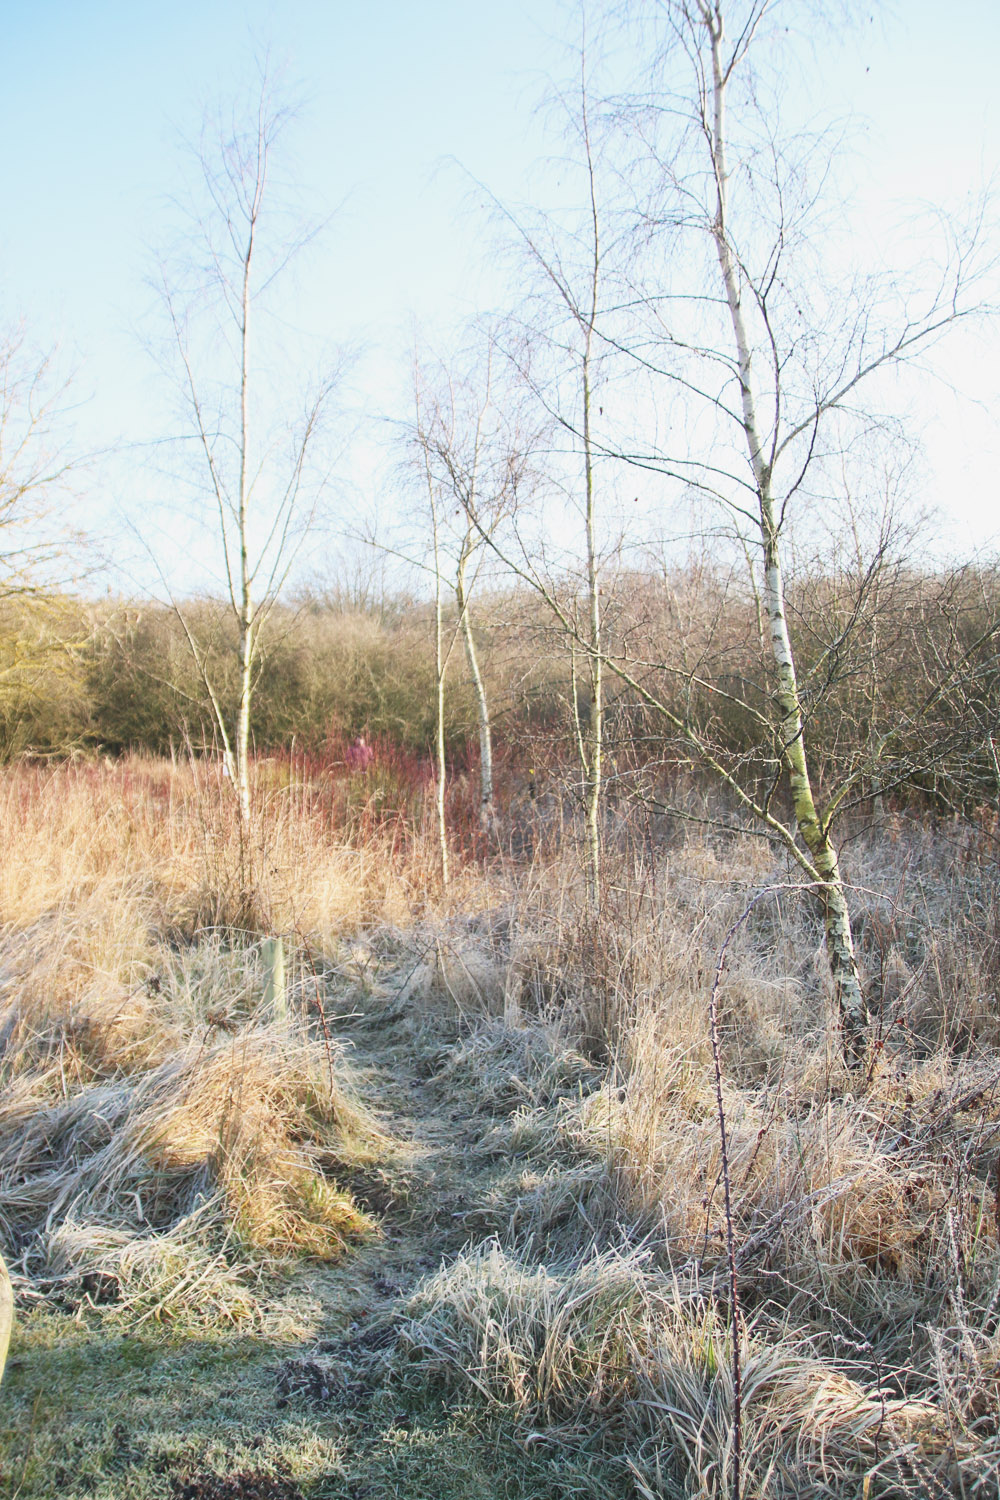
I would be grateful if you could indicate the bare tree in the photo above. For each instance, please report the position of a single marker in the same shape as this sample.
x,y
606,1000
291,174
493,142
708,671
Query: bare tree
x,y
35,466
765,372
470,466
476,456
442,656
256,467
41,551
558,352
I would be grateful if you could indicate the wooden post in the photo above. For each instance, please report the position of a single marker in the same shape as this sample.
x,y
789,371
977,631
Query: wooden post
x,y
275,997
6,1313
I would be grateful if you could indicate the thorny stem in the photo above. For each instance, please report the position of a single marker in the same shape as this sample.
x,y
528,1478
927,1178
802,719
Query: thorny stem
x,y
730,1245
713,1020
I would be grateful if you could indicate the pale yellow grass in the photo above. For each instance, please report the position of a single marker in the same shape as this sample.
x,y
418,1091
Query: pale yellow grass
x,y
167,836
158,1130
162,1137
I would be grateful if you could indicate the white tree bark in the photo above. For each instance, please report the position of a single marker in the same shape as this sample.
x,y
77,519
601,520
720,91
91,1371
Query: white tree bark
x,y
472,465
487,810
246,610
441,667
850,1000
593,736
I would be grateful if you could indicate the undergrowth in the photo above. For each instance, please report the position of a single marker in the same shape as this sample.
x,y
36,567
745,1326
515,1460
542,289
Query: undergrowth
x,y
465,1189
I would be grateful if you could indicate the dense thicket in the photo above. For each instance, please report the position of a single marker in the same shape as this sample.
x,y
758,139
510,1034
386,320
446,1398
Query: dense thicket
x,y
111,678
900,677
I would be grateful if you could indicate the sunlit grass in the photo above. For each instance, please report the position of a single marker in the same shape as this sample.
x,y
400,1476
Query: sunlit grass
x,y
173,1155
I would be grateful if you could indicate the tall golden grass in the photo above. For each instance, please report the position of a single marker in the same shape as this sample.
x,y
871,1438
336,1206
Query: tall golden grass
x,y
866,1218
164,1140
157,1130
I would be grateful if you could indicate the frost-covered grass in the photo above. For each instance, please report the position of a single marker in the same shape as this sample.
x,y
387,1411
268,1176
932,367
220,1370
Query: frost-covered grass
x,y
453,1224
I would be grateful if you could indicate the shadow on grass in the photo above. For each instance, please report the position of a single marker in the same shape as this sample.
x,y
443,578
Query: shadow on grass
x,y
162,1416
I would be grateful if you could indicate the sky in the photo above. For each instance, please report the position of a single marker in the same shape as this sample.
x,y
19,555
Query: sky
x,y
404,104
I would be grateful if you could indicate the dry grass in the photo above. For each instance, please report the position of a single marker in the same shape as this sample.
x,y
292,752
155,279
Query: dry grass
x,y
155,1179
164,1142
164,838
611,1342
866,1217
156,1128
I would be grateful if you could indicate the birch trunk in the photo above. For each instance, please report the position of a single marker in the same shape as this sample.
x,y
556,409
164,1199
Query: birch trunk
x,y
246,615
243,722
487,812
849,998
441,667
594,736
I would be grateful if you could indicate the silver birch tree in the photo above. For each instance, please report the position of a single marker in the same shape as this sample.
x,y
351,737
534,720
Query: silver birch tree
x,y
255,471
557,356
766,372
475,456
848,995
453,461
487,808
442,656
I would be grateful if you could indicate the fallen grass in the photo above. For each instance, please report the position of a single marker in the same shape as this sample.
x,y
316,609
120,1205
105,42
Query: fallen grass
x,y
170,1152
124,1185
161,1139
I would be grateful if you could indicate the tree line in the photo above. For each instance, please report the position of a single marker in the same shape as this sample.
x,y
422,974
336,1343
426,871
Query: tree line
x,y
900,681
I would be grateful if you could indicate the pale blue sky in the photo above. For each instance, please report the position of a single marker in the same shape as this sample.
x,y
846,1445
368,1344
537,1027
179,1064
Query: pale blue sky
x,y
96,93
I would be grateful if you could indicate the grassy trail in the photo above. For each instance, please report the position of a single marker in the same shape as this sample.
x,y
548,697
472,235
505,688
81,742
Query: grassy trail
x,y
306,1405
455,1255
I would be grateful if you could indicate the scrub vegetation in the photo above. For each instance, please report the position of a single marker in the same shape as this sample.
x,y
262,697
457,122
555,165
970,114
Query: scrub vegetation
x,y
453,1224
